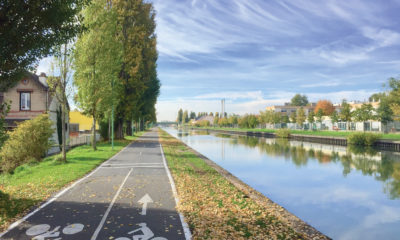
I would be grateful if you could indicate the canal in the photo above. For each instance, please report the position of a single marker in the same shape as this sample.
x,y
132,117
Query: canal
x,y
346,193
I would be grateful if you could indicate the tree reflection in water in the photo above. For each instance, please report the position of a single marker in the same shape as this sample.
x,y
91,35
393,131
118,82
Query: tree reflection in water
x,y
384,166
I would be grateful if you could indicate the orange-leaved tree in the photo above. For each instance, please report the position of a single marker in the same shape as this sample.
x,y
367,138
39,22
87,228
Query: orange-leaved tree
x,y
326,106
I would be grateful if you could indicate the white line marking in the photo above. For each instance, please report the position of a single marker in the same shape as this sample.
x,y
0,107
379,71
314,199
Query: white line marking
x,y
98,229
52,199
146,199
123,164
186,230
137,167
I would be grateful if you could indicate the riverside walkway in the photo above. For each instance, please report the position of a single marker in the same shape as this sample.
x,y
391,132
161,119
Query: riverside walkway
x,y
130,196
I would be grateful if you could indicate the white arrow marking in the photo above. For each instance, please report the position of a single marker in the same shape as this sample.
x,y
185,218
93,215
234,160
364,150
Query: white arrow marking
x,y
145,200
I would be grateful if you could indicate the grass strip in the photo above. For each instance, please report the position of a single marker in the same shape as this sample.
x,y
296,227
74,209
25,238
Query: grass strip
x,y
388,136
213,207
31,184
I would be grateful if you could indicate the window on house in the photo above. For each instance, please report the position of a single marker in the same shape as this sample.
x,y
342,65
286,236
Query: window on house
x,y
25,101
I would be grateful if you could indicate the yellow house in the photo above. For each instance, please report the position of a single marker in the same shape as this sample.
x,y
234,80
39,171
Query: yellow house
x,y
85,123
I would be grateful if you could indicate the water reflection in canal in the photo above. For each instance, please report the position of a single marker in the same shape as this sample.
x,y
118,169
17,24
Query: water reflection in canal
x,y
346,193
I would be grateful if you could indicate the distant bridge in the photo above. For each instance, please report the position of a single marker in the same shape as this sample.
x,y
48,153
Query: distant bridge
x,y
167,124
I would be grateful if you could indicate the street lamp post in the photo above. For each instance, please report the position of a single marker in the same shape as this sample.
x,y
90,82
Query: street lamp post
x,y
112,115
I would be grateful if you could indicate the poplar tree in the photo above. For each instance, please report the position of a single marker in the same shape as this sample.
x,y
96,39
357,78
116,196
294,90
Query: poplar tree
x,y
310,119
346,114
97,61
301,117
185,117
293,117
180,116
319,115
136,21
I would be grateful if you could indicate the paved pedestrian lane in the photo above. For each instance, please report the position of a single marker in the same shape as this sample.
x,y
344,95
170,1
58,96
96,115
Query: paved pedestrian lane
x,y
129,196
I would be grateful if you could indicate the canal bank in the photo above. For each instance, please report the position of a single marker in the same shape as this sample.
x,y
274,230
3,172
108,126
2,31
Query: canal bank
x,y
381,144
218,205
344,192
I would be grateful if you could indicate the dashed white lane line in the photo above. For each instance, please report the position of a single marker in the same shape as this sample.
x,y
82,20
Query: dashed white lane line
x,y
98,229
136,167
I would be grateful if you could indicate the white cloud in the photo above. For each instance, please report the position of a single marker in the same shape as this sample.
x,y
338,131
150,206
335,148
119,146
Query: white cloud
x,y
343,57
382,37
232,95
44,65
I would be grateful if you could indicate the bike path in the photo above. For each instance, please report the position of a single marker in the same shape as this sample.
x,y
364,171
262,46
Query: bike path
x,y
128,197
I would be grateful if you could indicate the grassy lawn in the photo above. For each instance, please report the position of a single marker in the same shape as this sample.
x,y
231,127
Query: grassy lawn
x,y
389,136
213,207
31,184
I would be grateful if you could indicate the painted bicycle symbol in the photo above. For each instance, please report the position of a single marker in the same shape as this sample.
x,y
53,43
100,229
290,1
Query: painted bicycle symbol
x,y
144,234
42,231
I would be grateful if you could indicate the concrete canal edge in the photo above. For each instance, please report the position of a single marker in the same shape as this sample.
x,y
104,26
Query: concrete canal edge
x,y
382,144
280,212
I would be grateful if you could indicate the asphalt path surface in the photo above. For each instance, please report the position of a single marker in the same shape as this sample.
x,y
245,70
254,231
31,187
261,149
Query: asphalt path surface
x,y
129,196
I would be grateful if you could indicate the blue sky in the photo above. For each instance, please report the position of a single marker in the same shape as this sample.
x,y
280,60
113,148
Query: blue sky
x,y
257,53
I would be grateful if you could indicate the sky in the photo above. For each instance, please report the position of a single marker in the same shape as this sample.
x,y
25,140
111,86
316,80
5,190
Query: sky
x,y
258,53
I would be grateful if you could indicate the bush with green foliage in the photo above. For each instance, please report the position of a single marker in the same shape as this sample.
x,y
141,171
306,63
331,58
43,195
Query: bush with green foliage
x,y
248,121
4,109
103,129
202,123
223,122
282,133
28,142
362,138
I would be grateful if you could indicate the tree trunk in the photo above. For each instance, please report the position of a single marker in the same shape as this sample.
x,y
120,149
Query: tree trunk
x,y
64,103
94,132
109,130
64,151
119,133
128,128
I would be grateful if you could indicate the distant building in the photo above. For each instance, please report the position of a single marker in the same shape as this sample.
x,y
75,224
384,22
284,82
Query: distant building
x,y
207,118
287,109
80,122
357,104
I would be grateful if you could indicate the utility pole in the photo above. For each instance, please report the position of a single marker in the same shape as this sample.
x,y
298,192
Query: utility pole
x,y
222,108
112,115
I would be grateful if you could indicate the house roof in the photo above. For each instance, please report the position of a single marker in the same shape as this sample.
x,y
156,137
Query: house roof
x,y
289,106
36,78
208,118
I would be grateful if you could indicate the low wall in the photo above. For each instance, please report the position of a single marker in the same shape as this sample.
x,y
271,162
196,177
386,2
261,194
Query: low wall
x,y
73,142
381,144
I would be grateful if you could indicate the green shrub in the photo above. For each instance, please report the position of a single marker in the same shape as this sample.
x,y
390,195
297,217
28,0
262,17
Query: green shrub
x,y
248,121
104,130
202,123
283,133
28,142
371,138
362,138
58,158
